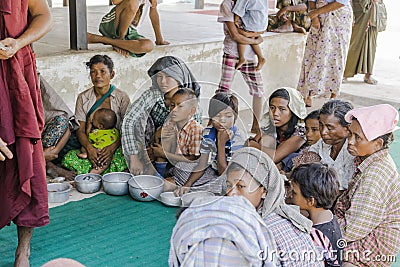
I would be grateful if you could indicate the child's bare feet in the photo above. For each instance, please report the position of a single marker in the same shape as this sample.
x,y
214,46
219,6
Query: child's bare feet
x,y
97,171
55,171
240,63
297,28
260,64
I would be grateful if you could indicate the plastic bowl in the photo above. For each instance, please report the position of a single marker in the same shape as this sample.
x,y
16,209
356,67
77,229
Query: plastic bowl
x,y
88,183
189,197
169,199
116,183
58,192
145,187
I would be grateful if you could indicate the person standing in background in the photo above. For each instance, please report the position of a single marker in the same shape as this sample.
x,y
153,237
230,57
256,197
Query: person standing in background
x,y
362,49
23,190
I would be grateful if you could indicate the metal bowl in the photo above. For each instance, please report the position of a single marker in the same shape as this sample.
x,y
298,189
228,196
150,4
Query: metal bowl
x,y
88,183
145,187
58,192
169,199
116,183
189,197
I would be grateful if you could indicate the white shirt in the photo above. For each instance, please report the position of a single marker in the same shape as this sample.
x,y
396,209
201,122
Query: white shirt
x,y
343,164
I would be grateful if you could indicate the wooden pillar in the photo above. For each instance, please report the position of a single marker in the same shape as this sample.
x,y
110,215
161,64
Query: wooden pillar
x,y
78,25
199,4
110,2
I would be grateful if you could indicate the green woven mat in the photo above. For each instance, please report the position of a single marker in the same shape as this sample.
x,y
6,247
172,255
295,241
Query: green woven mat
x,y
100,231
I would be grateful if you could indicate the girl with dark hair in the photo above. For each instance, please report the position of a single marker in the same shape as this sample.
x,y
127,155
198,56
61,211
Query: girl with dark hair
x,y
368,212
283,132
333,143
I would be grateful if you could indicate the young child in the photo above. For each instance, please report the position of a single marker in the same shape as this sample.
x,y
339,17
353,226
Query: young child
x,y
251,19
182,144
312,135
217,145
291,17
101,133
315,189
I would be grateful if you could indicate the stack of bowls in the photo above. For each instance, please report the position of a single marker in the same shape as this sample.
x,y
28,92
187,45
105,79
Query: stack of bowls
x,y
169,199
88,183
145,187
116,183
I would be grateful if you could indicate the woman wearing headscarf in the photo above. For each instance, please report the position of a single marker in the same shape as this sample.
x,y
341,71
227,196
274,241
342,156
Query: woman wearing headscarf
x,y
221,231
252,174
368,212
150,111
283,131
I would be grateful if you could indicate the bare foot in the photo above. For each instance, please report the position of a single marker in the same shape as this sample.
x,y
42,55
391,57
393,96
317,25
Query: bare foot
x,y
297,28
370,80
97,171
260,64
240,63
162,42
123,52
56,171
287,27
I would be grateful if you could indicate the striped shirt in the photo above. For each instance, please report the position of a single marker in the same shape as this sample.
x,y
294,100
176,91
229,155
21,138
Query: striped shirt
x,y
369,211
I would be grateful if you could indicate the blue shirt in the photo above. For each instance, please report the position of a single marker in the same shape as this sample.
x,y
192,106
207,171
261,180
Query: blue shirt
x,y
254,14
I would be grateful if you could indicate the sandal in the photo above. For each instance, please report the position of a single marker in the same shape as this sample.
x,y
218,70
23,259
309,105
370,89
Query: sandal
x,y
370,80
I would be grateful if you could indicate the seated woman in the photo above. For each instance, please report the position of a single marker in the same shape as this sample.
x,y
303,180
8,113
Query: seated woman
x,y
101,133
102,95
59,121
252,174
334,130
368,211
283,132
221,231
150,110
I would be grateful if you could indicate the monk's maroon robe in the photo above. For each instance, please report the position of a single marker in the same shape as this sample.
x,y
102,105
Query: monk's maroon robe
x,y
23,191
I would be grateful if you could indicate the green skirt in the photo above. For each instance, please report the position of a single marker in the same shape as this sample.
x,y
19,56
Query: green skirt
x,y
72,162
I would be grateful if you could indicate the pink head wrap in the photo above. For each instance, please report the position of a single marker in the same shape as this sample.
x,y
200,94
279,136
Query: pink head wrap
x,y
376,120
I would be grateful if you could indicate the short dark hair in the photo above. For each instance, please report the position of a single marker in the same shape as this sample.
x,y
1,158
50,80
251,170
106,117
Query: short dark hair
x,y
221,101
106,60
107,117
189,93
319,181
313,115
284,94
338,108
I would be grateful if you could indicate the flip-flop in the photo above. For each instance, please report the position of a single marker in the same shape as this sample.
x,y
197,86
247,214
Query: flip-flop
x,y
371,81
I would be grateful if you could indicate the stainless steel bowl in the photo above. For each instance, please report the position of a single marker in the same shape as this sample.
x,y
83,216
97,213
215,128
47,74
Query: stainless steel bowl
x,y
145,187
88,183
116,183
58,192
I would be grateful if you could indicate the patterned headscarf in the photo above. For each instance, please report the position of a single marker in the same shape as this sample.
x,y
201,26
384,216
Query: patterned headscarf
x,y
175,68
263,169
